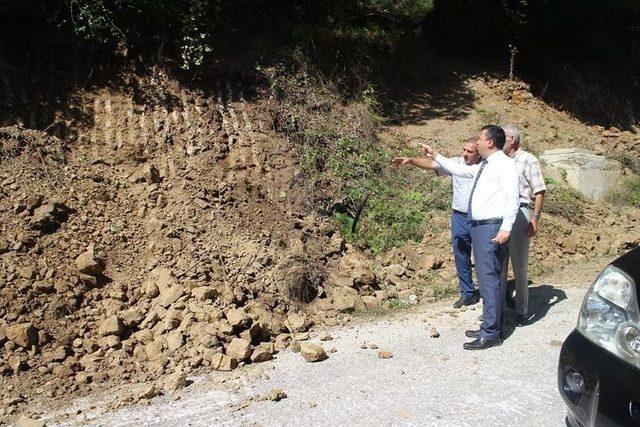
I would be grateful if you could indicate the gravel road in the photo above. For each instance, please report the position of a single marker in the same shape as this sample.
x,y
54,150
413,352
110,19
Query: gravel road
x,y
429,381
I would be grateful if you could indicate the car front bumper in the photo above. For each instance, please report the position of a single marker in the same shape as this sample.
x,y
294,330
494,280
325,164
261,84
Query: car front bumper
x,y
611,395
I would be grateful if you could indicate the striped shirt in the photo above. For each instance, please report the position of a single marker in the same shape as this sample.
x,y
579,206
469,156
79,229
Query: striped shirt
x,y
531,180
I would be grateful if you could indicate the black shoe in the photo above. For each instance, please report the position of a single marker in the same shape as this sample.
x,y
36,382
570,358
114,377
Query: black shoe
x,y
522,320
509,300
481,318
473,333
465,301
481,344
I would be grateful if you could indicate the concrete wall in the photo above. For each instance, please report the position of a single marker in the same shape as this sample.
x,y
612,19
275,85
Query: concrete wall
x,y
590,174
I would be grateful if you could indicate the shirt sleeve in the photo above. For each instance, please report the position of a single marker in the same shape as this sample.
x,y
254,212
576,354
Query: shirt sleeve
x,y
441,172
509,178
536,180
451,167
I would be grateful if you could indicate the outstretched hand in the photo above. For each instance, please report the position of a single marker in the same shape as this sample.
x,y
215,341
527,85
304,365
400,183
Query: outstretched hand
x,y
401,161
428,150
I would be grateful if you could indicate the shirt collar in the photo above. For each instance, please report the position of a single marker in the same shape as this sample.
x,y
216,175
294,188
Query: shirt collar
x,y
493,156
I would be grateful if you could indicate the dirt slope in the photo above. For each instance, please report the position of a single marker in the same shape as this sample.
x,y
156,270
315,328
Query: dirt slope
x,y
167,230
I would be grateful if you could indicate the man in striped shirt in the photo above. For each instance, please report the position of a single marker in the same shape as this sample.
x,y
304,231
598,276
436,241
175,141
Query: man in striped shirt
x,y
532,190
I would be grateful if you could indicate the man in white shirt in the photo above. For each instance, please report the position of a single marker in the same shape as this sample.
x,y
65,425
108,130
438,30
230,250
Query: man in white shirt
x,y
460,230
532,190
493,206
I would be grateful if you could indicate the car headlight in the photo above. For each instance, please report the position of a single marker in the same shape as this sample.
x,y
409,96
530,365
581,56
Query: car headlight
x,y
610,316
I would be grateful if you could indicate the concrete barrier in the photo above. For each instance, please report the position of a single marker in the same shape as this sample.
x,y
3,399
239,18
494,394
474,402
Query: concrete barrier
x,y
590,174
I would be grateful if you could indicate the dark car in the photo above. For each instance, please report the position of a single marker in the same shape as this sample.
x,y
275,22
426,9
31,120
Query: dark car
x,y
599,367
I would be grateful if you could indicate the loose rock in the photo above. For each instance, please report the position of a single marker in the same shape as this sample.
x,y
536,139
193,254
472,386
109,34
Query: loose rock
x,y
313,352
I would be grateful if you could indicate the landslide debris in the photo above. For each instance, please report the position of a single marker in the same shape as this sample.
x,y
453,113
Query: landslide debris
x,y
158,240
144,248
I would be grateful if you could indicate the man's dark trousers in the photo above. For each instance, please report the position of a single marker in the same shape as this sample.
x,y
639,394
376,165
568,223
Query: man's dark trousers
x,y
489,260
461,244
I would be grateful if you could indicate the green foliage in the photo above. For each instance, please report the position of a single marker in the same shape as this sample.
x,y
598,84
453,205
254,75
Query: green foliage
x,y
627,193
444,289
189,32
398,200
398,304
564,201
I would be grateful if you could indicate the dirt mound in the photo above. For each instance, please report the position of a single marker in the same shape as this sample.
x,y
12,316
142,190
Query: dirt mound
x,y
149,241
159,237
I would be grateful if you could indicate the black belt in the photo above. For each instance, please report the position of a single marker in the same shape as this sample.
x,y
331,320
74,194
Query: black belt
x,y
475,222
459,212
523,205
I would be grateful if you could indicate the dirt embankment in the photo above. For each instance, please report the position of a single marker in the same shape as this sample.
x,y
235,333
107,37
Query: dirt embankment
x,y
155,238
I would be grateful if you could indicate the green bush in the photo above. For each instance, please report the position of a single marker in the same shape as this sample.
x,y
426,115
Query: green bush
x,y
564,201
627,193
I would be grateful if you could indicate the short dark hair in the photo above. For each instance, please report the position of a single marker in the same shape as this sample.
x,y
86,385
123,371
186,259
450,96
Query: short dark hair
x,y
496,133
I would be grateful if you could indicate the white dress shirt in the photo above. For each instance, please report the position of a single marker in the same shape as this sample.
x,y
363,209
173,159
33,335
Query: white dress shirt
x,y
461,186
496,194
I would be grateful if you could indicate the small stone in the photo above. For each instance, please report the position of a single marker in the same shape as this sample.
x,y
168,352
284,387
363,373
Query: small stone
x,y
23,334
175,382
239,349
385,355
312,352
15,363
27,272
87,263
325,336
282,341
151,289
373,346
275,395
433,333
295,346
204,293
148,391
222,362
150,174
170,296
59,354
111,326
237,317
345,299
43,287
25,421
260,355
175,340
297,322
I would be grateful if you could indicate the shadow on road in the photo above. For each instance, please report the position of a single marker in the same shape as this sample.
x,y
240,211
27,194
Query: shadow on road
x,y
541,299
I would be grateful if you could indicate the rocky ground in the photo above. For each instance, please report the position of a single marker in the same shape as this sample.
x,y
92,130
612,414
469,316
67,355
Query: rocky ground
x,y
407,368
152,240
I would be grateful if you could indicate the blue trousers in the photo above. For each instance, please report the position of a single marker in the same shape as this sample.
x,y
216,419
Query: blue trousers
x,y
490,258
461,244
